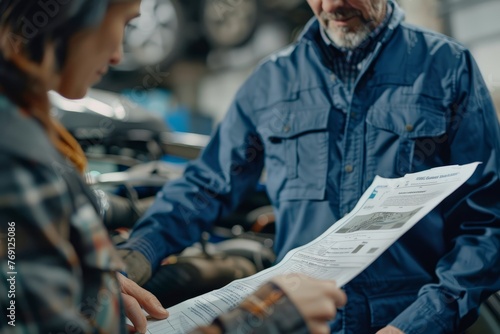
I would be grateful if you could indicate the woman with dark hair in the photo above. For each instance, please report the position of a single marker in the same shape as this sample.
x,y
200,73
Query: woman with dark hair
x,y
65,265
59,270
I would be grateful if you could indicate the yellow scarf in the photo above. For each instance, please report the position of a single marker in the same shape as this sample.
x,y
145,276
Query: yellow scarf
x,y
67,145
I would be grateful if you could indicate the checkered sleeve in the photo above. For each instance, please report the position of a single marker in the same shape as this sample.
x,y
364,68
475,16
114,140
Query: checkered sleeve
x,y
47,274
267,311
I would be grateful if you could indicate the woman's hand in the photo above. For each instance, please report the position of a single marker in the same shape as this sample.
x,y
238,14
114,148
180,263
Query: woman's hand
x,y
135,299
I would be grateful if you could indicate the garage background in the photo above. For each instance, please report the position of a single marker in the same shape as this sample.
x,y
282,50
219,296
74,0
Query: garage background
x,y
184,60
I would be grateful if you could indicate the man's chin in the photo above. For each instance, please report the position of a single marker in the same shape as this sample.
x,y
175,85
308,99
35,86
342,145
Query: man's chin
x,y
348,39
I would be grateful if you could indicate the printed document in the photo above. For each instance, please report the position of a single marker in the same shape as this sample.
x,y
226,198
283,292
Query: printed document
x,y
387,209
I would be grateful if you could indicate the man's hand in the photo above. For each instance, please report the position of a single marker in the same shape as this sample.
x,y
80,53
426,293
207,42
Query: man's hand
x,y
316,300
390,330
135,297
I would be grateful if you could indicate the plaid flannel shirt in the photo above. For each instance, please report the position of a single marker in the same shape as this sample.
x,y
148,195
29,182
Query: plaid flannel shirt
x,y
64,270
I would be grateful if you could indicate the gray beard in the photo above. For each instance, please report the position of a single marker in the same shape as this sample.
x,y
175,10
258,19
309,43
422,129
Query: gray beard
x,y
352,39
349,39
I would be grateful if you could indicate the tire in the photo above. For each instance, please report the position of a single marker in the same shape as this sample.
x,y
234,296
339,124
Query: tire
x,y
229,23
154,38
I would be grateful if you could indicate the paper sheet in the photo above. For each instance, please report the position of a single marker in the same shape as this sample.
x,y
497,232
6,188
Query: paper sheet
x,y
387,209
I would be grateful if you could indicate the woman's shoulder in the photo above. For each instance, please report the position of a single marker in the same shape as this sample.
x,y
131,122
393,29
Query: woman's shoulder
x,y
29,164
23,138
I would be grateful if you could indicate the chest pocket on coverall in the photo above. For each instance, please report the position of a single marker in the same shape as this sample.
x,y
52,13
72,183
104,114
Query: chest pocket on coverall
x,y
407,134
296,151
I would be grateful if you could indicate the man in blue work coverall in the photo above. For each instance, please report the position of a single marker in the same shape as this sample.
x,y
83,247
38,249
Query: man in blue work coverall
x,y
361,93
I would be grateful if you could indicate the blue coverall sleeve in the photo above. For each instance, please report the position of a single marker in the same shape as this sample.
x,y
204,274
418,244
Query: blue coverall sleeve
x,y
470,271
211,186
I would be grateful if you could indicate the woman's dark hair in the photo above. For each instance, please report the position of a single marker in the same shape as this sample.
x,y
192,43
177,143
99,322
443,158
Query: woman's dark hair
x,y
30,25
27,28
